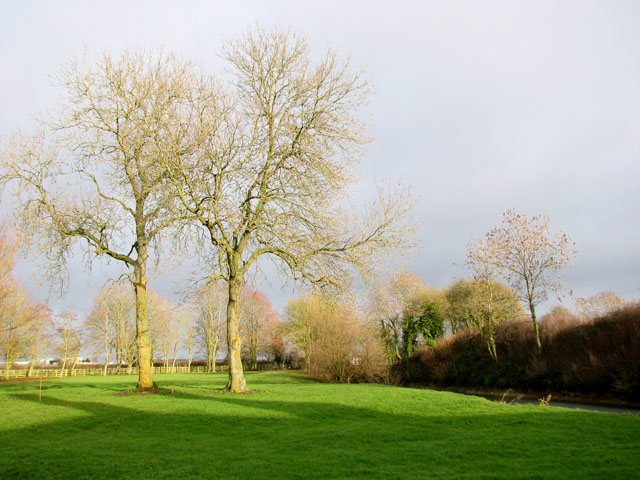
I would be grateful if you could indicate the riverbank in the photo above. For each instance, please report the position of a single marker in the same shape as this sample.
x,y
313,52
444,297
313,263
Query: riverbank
x,y
594,403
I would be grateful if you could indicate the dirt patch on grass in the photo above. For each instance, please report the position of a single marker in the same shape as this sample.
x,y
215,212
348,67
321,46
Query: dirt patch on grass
x,y
246,392
25,379
153,391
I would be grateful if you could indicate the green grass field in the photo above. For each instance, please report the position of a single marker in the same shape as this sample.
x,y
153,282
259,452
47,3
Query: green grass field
x,y
297,428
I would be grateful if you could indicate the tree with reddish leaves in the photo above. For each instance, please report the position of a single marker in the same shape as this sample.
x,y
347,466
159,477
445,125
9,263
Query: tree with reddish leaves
x,y
24,324
256,315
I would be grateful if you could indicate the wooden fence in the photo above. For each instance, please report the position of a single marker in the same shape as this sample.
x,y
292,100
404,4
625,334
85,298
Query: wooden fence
x,y
98,371
88,372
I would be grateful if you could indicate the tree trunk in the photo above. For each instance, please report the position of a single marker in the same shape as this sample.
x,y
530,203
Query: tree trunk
x,y
532,309
145,377
236,383
30,371
7,366
253,359
491,345
214,353
73,366
106,351
119,356
106,363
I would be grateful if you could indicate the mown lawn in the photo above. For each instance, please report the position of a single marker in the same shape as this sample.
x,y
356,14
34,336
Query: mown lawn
x,y
296,428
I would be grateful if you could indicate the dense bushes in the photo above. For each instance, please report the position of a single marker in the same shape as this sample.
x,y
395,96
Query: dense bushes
x,y
600,356
334,341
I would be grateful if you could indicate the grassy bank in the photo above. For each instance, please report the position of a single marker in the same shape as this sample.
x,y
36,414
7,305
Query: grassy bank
x,y
296,428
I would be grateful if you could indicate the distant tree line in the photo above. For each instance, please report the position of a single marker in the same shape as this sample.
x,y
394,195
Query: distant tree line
x,y
32,331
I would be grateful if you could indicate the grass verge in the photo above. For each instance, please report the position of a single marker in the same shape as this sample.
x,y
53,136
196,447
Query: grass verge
x,y
296,428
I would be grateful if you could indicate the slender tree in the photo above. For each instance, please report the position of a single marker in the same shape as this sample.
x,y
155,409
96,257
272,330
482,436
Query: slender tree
x,y
527,257
67,331
481,260
110,326
92,176
189,333
99,328
482,306
210,303
39,334
273,159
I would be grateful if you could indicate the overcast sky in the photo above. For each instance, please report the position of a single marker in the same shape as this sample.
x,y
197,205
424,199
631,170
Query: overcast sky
x,y
481,106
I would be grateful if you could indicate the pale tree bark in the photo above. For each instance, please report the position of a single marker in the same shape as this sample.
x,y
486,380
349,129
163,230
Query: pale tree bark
x,y
75,363
107,358
189,349
145,369
236,382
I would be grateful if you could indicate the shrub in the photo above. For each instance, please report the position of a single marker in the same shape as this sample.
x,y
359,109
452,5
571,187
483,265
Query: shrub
x,y
599,356
337,345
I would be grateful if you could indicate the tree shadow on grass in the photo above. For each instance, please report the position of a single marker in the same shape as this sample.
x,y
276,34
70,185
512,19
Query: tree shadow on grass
x,y
191,435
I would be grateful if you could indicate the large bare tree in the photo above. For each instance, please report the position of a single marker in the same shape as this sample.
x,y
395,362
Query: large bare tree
x,y
276,157
92,176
